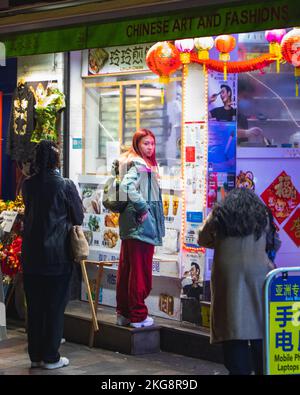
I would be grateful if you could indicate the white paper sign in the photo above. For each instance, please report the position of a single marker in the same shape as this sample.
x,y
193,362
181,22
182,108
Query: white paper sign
x,y
2,314
112,153
8,219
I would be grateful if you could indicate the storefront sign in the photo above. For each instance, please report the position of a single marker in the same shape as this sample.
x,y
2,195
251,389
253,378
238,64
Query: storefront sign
x,y
197,22
53,41
204,21
77,143
127,58
8,219
284,325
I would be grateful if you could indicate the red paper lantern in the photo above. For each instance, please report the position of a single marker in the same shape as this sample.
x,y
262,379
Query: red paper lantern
x,y
224,45
290,48
163,58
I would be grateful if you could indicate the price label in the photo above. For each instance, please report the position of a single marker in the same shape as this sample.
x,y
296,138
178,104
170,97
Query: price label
x,y
7,220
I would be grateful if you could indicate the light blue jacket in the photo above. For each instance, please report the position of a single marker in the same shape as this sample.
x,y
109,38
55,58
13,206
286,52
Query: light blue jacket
x,y
144,195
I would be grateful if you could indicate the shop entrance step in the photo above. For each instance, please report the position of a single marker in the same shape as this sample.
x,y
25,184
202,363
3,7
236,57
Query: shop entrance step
x,y
112,337
168,335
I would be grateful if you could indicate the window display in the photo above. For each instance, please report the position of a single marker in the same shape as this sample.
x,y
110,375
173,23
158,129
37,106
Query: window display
x,y
114,109
268,109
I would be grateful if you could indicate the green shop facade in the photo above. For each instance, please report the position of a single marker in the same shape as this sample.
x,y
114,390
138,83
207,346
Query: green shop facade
x,y
109,93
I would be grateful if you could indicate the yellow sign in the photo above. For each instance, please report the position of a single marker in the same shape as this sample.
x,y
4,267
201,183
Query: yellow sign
x,y
285,337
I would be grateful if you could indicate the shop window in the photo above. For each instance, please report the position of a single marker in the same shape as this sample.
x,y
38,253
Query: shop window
x,y
268,109
115,108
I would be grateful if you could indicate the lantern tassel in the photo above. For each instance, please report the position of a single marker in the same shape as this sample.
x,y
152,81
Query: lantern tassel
x,y
297,75
162,96
225,71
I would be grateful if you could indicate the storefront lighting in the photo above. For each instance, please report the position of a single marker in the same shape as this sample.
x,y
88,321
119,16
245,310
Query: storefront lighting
x,y
183,158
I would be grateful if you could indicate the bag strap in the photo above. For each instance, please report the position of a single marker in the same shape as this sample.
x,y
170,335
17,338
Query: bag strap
x,y
69,215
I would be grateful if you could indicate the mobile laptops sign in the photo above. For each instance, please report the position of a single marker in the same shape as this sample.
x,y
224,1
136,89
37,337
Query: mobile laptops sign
x,y
282,335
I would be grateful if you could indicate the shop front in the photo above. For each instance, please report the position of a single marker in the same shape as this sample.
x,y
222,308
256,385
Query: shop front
x,y
219,123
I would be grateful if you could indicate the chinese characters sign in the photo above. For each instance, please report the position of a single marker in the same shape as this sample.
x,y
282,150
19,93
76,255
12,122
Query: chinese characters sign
x,y
281,197
99,61
285,326
292,227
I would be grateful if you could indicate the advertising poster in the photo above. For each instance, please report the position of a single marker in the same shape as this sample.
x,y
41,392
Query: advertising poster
x,y
195,179
91,195
101,227
219,184
222,147
192,274
222,97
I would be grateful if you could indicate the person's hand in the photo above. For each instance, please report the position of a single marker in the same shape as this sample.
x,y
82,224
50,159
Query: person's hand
x,y
255,131
142,218
213,98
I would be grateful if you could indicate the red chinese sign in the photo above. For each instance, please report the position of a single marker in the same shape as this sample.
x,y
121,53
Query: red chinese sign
x,y
190,154
281,197
292,227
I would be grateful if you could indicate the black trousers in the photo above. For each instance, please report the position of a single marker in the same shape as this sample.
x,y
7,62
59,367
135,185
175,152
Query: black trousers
x,y
46,298
241,357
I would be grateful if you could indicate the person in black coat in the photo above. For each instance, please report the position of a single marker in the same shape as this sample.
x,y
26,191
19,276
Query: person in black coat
x,y
52,207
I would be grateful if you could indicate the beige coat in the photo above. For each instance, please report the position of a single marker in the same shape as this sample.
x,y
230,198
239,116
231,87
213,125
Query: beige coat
x,y
238,272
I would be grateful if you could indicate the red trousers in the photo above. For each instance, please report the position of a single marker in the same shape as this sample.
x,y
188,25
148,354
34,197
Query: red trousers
x,y
134,279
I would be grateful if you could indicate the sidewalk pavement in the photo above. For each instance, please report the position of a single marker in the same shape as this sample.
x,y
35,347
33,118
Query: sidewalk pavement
x,y
94,361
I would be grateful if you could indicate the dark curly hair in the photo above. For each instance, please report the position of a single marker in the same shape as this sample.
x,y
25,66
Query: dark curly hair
x,y
47,157
241,214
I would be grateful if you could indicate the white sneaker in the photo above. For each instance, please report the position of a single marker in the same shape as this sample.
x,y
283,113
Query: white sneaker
x,y
35,365
147,322
63,361
122,321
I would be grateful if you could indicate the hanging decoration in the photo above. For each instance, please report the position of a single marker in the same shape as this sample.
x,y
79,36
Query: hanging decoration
x,y
163,58
237,66
290,49
185,48
274,37
225,44
203,44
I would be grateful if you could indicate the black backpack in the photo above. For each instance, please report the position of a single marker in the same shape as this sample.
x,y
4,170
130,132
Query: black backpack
x,y
111,194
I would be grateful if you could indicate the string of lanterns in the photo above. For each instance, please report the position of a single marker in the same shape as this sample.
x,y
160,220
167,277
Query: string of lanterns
x,y
164,58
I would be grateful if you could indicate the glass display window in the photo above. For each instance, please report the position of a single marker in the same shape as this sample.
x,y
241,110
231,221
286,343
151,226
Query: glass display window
x,y
268,108
115,107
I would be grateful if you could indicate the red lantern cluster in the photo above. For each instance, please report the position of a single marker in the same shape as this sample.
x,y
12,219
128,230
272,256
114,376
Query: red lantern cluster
x,y
163,58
